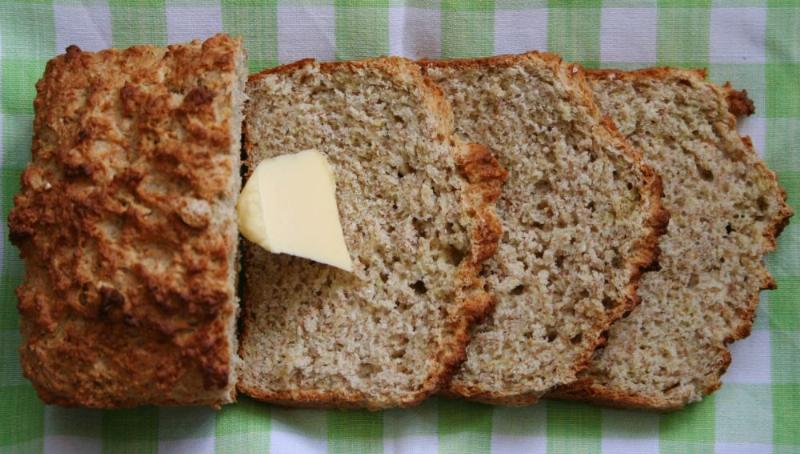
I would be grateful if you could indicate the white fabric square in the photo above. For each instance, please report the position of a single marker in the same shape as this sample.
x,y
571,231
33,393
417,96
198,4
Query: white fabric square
x,y
411,431
298,431
742,448
188,445
756,128
62,444
87,26
517,31
737,35
750,360
628,35
306,32
185,23
618,427
415,33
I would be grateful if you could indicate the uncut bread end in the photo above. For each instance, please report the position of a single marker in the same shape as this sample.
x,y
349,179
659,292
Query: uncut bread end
x,y
727,211
126,224
417,213
581,218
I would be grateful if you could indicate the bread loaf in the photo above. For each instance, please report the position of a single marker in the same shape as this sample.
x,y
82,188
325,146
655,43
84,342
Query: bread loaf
x,y
125,221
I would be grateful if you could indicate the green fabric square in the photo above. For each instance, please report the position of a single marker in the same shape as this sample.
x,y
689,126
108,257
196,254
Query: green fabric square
x,y
786,418
138,22
9,281
131,431
691,427
785,260
744,413
783,96
683,34
467,33
743,77
10,369
27,30
464,427
790,181
784,312
362,29
574,31
257,23
785,349
22,415
11,275
19,85
17,135
573,427
74,422
783,148
242,427
783,34
355,431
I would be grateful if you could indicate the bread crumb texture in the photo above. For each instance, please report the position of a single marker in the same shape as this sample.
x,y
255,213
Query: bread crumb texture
x,y
726,212
580,219
125,221
417,213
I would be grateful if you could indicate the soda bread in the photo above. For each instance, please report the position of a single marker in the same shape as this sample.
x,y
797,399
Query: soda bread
x,y
581,217
126,224
726,212
417,213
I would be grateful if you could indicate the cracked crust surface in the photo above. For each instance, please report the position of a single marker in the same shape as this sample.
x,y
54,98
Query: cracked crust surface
x,y
581,220
417,212
727,211
126,224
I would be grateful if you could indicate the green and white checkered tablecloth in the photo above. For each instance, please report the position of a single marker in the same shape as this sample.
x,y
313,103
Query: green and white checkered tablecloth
x,y
755,44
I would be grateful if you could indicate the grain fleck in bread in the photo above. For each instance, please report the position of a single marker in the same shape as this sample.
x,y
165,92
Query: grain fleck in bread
x,y
126,224
727,210
581,217
417,213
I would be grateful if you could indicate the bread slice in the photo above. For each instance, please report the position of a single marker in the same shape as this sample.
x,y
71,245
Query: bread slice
x,y
416,208
126,224
727,210
581,217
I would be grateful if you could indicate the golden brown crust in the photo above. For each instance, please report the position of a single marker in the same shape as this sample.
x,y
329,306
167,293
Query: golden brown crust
x,y
646,250
738,104
127,297
484,177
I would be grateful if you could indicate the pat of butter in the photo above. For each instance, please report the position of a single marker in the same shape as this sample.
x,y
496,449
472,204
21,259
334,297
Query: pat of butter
x,y
289,206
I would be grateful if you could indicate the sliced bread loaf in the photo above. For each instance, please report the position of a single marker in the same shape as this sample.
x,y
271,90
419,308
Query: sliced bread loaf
x,y
417,214
581,217
126,224
726,212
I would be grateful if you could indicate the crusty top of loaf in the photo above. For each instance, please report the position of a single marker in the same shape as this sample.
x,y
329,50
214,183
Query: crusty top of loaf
x,y
125,221
581,217
726,212
416,207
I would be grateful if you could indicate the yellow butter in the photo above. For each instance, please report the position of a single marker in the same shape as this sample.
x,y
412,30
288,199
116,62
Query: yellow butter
x,y
288,206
